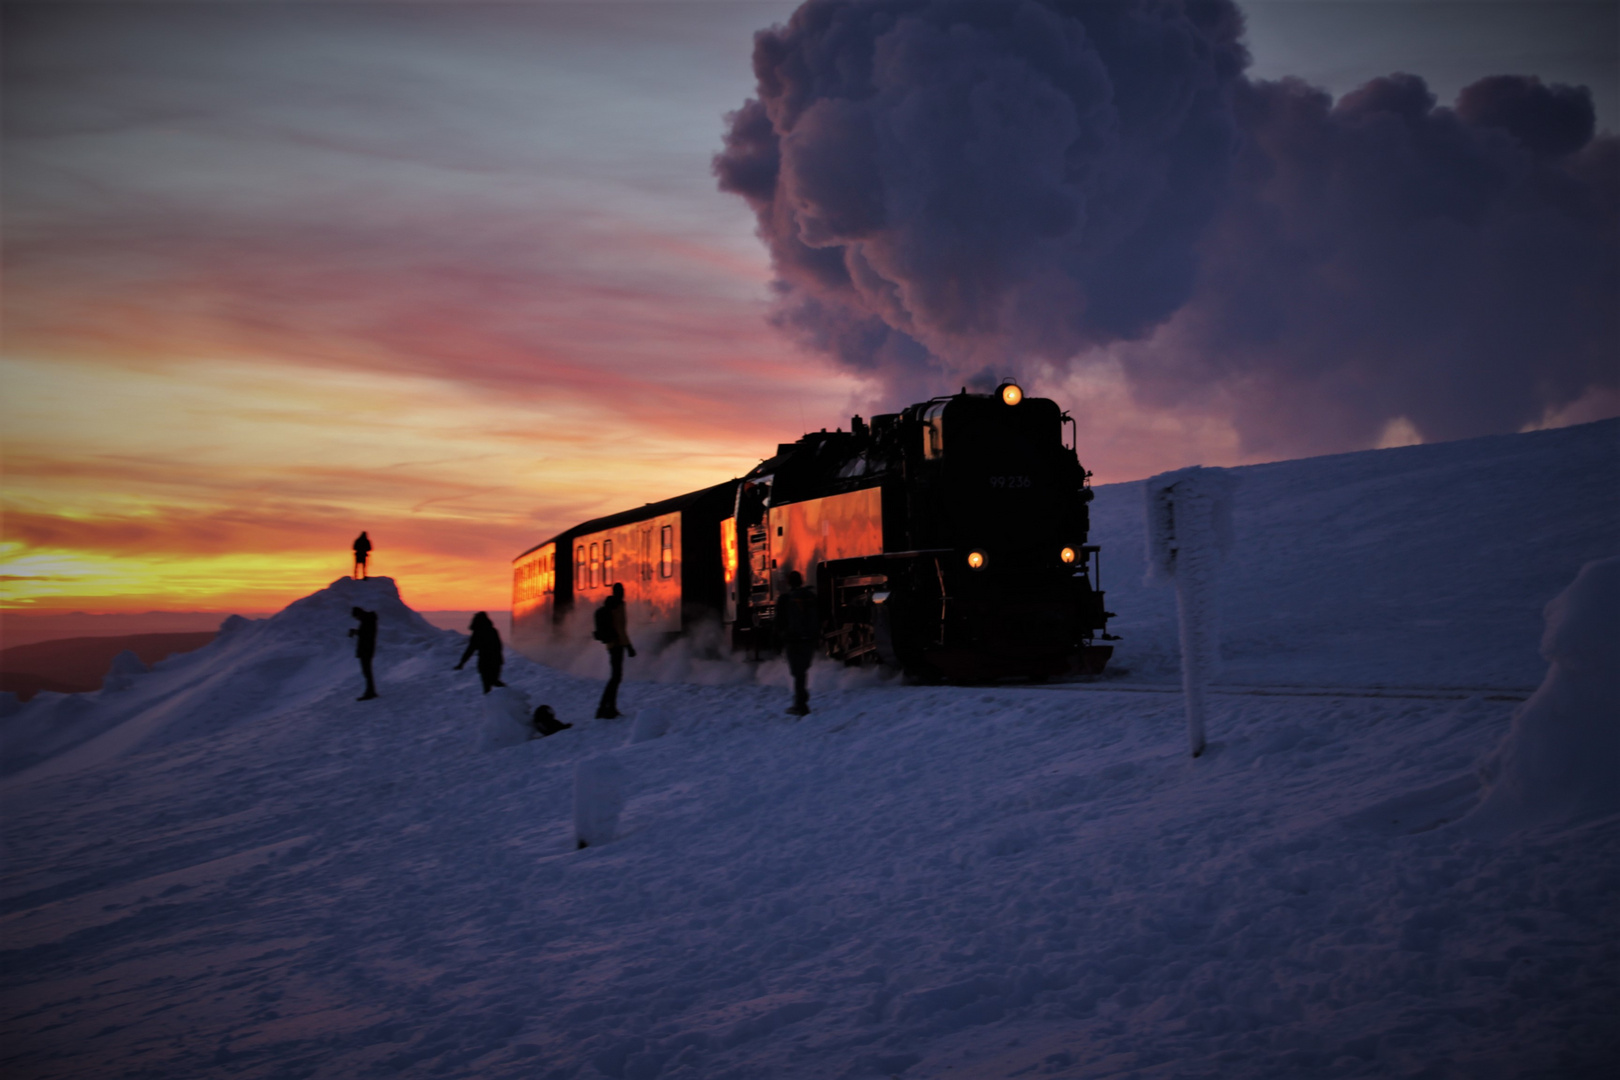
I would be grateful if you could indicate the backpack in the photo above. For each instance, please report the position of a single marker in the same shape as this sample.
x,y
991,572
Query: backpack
x,y
605,632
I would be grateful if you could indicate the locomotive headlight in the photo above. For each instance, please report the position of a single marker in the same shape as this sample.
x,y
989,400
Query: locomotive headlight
x,y
1067,554
1012,393
976,560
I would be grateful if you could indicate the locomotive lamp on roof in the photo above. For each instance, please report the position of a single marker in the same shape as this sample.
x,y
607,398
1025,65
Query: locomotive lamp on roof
x,y
947,540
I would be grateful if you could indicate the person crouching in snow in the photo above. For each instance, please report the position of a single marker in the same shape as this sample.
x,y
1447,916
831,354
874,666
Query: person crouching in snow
x,y
801,633
486,642
545,722
612,630
365,647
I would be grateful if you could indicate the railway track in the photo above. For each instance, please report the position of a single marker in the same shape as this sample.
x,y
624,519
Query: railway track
x,y
1435,693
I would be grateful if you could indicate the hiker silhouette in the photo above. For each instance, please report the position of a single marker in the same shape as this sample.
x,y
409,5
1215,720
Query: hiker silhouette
x,y
612,631
365,647
486,642
801,632
362,551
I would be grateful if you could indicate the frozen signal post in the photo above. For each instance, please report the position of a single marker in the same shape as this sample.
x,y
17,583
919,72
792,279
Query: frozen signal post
x,y
1189,530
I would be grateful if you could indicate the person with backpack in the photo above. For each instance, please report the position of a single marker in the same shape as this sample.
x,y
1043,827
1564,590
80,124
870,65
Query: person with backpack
x,y
800,624
613,631
485,640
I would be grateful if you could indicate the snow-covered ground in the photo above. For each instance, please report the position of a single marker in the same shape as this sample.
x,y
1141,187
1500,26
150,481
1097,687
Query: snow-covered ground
x,y
229,867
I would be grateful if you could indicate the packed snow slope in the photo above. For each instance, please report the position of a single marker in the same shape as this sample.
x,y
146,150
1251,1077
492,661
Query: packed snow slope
x,y
1417,566
226,866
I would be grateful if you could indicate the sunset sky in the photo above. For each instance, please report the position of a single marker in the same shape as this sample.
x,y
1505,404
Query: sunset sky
x,y
462,275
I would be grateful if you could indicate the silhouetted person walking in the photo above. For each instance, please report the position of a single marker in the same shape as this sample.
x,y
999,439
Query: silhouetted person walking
x,y
365,647
362,552
612,630
800,624
486,642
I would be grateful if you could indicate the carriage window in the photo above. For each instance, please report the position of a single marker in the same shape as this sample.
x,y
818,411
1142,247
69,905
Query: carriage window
x,y
607,562
666,551
595,571
646,555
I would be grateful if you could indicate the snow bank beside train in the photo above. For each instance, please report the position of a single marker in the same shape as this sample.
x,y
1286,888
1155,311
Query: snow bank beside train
x,y
1418,566
1560,758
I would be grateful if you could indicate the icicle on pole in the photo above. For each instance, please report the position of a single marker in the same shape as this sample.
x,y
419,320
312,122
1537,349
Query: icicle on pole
x,y
1189,530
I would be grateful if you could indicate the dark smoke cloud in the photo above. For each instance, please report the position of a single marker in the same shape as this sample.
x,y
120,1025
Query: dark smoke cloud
x,y
1382,257
954,188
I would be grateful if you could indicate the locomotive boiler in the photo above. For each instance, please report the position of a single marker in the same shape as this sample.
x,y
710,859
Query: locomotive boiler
x,y
948,540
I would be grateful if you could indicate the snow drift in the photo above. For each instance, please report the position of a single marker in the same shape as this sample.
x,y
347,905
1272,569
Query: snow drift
x,y
1562,757
233,868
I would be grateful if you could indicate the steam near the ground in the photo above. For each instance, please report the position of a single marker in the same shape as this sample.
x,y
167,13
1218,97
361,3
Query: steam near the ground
x,y
1397,855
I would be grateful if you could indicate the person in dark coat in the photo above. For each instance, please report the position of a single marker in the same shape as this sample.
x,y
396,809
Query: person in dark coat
x,y
617,640
486,642
362,552
365,647
800,624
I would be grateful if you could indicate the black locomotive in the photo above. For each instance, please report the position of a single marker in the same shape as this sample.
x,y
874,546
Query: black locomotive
x,y
948,540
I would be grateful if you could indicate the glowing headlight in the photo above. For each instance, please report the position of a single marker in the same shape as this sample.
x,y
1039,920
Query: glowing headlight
x,y
1067,554
976,560
1011,393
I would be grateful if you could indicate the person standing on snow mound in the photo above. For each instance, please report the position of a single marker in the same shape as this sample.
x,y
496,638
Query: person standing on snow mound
x,y
362,551
800,624
365,647
486,642
613,631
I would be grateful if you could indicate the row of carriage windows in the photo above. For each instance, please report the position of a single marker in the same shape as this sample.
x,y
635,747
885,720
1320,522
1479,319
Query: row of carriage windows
x,y
594,565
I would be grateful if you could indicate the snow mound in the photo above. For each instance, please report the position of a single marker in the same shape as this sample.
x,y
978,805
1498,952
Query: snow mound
x,y
506,719
252,671
653,723
319,613
1561,759
125,669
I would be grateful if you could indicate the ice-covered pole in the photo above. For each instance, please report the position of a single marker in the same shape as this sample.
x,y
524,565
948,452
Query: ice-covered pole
x,y
598,800
1189,530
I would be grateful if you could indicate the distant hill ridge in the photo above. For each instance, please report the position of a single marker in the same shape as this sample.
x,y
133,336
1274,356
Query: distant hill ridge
x,y
77,665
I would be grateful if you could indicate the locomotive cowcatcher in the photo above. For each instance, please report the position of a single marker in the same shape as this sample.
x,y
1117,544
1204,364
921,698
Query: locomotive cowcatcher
x,y
947,540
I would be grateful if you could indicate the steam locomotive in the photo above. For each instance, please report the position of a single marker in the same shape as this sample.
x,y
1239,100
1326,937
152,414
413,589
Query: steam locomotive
x,y
947,540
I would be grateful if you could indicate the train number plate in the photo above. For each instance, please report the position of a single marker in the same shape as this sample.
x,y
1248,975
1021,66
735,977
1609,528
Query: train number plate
x,y
1008,483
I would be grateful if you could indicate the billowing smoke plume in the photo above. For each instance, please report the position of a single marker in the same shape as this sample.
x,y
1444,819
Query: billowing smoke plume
x,y
951,189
